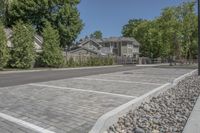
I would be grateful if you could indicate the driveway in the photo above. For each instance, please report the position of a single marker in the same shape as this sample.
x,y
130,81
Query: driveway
x,y
73,105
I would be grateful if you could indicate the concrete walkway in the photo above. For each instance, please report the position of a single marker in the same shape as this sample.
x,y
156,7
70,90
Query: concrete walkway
x,y
193,124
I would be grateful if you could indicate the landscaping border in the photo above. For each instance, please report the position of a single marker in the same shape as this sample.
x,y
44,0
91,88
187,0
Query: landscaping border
x,y
108,119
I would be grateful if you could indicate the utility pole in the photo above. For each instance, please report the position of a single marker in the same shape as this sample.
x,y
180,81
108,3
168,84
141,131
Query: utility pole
x,y
199,37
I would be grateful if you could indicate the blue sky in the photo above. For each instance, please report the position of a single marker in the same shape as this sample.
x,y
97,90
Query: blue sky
x,y
110,15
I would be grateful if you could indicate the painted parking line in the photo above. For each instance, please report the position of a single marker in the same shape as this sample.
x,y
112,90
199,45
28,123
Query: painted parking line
x,y
24,124
118,81
82,90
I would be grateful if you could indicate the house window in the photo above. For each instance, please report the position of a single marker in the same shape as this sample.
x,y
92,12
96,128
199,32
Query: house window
x,y
130,46
107,45
124,44
90,46
115,45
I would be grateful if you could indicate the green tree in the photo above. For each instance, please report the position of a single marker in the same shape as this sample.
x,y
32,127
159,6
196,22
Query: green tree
x,y
1,9
62,14
4,8
189,21
96,35
147,33
23,51
52,53
4,54
172,34
131,29
153,40
170,28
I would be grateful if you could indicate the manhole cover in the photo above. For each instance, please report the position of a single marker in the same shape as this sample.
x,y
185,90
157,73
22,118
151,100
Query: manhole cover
x,y
127,73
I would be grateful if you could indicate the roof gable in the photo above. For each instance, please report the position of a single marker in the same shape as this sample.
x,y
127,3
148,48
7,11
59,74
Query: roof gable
x,y
82,48
90,40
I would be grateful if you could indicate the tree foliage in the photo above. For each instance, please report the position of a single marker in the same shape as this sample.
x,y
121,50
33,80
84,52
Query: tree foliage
x,y
62,14
4,55
172,34
96,35
23,51
52,54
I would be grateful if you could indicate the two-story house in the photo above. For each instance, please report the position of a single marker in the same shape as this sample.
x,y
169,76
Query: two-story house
x,y
116,46
120,46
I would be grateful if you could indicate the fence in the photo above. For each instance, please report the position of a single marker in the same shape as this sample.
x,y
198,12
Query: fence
x,y
73,60
98,59
125,60
147,60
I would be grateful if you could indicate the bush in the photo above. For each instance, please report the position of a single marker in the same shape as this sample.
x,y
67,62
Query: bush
x,y
4,54
90,61
23,51
52,54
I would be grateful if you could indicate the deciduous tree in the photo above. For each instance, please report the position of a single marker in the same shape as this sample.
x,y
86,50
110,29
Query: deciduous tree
x,y
96,35
62,14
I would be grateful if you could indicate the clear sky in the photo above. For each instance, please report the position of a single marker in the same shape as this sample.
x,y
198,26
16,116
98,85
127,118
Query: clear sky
x,y
110,15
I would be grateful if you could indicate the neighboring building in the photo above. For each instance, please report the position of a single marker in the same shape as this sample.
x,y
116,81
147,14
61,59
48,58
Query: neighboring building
x,y
117,46
83,51
121,46
87,47
38,40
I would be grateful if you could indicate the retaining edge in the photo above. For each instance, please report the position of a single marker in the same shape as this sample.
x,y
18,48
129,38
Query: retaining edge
x,y
108,119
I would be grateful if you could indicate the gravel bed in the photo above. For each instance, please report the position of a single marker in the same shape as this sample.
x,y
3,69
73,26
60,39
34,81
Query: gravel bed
x,y
165,113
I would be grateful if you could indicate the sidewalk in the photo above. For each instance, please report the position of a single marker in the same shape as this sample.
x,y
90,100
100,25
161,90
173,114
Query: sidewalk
x,y
193,124
56,69
152,65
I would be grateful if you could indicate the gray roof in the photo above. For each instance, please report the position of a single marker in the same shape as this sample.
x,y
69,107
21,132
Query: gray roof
x,y
88,40
121,39
38,39
113,39
80,48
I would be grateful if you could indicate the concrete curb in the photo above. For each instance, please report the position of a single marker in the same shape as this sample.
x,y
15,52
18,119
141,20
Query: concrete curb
x,y
152,65
57,69
193,122
108,119
177,80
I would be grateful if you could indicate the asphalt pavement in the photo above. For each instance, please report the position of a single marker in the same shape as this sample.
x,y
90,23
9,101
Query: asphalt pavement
x,y
12,79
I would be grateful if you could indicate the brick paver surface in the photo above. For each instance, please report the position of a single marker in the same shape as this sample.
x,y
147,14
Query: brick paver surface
x,y
9,127
64,110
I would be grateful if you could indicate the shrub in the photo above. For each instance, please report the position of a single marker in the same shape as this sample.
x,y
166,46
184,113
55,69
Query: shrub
x,y
52,54
4,54
23,52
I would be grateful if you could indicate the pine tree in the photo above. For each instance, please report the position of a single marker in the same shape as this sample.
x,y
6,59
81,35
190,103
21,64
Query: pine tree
x,y
23,52
4,54
52,54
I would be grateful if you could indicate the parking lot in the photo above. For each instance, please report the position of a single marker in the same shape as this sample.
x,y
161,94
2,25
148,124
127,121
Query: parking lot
x,y
74,105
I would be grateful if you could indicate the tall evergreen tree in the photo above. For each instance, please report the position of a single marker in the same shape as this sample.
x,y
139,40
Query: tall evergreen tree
x,y
23,52
4,55
52,53
62,14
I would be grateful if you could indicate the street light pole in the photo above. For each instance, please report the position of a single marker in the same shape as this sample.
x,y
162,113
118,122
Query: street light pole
x,y
199,37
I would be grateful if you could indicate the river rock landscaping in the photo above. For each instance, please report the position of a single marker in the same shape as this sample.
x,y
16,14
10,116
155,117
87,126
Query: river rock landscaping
x,y
166,113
